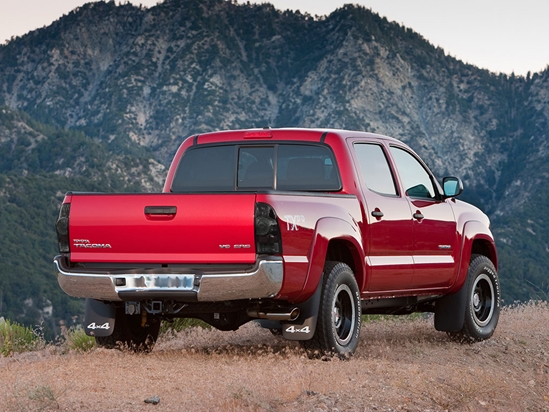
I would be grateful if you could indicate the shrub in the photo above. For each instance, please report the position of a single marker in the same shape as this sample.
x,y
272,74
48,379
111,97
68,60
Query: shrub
x,y
17,338
77,340
180,324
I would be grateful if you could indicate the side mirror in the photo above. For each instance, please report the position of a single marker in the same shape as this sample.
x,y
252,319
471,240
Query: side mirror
x,y
452,186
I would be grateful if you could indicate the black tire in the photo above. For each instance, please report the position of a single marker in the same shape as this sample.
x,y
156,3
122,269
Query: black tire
x,y
483,300
339,315
129,334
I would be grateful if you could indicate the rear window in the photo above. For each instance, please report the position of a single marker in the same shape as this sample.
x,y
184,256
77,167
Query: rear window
x,y
252,167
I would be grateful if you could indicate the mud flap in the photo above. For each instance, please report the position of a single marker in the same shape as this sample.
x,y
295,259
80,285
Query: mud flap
x,y
450,311
304,327
99,318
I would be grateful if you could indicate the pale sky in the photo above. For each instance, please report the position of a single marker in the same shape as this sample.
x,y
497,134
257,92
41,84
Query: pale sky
x,y
499,35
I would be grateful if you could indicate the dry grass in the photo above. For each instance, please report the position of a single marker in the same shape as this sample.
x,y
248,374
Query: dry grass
x,y
400,365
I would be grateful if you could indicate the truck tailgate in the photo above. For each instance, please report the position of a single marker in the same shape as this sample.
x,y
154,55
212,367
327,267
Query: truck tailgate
x,y
162,228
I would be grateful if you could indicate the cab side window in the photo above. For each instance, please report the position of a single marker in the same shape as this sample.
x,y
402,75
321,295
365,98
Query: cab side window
x,y
375,168
416,180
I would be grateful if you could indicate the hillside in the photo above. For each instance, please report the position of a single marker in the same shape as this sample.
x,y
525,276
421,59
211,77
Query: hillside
x,y
115,89
400,365
38,164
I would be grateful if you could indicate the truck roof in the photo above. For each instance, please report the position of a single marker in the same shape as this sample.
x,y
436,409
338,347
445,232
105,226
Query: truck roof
x,y
289,133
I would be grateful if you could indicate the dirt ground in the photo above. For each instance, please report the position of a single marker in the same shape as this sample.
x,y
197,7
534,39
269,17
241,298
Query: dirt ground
x,y
400,365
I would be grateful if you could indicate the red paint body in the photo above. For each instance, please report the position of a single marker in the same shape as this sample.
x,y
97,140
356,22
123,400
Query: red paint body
x,y
393,255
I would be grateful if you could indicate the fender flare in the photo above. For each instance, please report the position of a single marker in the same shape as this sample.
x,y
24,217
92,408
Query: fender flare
x,y
450,309
473,230
326,230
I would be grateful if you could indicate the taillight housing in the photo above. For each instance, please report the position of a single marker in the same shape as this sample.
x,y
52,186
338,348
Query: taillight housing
x,y
267,230
62,228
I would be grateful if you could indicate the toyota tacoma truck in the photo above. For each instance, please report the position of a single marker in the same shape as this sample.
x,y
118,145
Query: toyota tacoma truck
x,y
303,230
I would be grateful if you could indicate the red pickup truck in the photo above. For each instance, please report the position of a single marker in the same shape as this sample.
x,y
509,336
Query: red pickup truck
x,y
304,230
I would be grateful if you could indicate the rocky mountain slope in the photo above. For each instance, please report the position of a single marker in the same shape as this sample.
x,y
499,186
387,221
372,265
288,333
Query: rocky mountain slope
x,y
134,82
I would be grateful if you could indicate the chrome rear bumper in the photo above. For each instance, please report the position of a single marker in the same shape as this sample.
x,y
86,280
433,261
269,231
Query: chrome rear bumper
x,y
264,280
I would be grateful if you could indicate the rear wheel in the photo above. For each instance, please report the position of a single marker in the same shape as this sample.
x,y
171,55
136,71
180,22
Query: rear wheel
x,y
338,324
482,302
130,333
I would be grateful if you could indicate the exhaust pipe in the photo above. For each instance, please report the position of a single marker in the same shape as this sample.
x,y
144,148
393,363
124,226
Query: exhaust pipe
x,y
293,314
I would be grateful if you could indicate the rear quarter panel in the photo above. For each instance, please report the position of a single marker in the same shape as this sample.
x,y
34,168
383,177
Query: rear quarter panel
x,y
307,223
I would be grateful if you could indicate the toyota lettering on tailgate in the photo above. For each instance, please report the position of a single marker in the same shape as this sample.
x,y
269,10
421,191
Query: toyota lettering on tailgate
x,y
85,243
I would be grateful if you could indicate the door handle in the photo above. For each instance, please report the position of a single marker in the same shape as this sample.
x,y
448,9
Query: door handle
x,y
160,210
377,213
418,215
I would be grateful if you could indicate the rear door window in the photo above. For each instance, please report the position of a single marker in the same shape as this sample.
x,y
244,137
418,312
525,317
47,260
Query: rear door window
x,y
375,168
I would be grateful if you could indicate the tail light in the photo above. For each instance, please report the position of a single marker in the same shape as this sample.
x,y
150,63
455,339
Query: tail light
x,y
62,228
267,230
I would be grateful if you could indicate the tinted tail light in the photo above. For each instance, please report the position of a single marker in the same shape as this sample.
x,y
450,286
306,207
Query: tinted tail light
x,y
267,230
62,228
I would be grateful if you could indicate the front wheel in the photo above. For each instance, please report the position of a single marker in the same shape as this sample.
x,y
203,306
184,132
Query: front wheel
x,y
339,315
482,301
130,333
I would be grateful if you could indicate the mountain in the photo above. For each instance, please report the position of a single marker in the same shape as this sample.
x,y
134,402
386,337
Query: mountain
x,y
117,84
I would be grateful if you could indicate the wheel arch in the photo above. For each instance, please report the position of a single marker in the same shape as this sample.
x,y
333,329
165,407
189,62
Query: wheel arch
x,y
450,309
344,251
476,239
482,246
334,239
